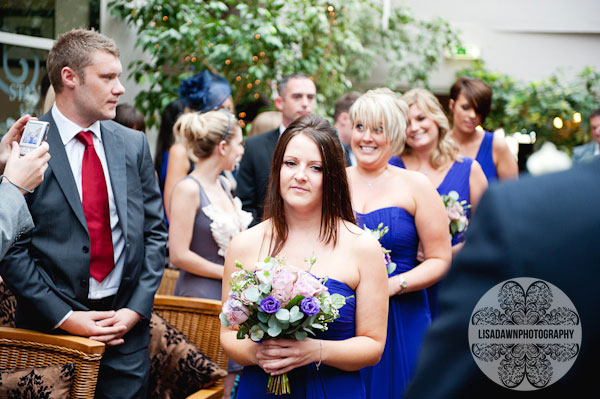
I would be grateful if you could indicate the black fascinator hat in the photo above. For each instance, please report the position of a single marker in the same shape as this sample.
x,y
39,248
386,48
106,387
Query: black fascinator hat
x,y
205,91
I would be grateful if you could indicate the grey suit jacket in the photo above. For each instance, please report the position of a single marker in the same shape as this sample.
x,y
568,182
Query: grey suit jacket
x,y
544,227
14,216
255,168
48,268
584,153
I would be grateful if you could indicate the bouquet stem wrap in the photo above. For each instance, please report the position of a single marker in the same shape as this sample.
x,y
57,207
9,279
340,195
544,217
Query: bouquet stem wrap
x,y
279,384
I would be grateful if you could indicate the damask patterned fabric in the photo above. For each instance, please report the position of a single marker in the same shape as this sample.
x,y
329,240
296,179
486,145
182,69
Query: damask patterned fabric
x,y
8,306
177,367
40,383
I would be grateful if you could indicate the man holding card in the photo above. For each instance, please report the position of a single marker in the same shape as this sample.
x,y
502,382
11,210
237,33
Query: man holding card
x,y
94,260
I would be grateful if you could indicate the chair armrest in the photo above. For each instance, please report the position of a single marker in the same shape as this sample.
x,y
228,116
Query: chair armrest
x,y
25,348
208,393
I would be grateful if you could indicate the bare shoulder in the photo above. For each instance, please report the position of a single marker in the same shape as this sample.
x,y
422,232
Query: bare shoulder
x,y
177,150
248,242
499,144
413,180
358,241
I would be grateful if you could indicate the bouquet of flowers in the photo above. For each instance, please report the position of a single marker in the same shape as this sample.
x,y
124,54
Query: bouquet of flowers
x,y
279,301
457,215
379,232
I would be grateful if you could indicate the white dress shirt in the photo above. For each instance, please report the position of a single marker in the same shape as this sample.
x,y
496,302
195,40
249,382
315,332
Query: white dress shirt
x,y
68,131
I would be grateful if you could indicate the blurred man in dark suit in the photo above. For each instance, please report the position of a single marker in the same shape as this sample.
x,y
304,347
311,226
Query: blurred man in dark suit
x,y
545,228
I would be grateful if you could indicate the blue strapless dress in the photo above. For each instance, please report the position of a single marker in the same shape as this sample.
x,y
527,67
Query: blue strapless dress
x,y
409,314
457,179
307,382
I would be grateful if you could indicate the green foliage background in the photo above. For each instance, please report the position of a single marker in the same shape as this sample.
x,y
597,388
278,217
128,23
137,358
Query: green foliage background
x,y
532,106
255,43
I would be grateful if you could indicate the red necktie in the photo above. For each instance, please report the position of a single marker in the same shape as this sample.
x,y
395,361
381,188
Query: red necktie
x,y
95,208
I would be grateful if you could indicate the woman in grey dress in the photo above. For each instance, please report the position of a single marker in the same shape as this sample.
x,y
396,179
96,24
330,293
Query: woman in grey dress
x,y
204,216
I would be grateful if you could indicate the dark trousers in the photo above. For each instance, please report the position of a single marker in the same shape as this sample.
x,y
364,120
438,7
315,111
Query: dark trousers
x,y
123,376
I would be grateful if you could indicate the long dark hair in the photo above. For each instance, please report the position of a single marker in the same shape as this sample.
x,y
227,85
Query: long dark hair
x,y
336,193
165,135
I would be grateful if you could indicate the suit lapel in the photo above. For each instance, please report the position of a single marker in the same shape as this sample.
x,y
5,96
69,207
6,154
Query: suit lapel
x,y
59,164
114,149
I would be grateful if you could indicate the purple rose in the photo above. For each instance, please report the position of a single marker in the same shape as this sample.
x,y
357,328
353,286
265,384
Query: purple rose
x,y
310,306
270,305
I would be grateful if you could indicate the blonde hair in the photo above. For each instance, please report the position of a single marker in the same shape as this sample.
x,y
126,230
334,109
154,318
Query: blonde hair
x,y
382,108
447,149
201,133
265,121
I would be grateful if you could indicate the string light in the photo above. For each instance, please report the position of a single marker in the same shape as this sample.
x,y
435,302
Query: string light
x,y
254,58
577,117
238,78
165,18
558,122
193,59
210,45
189,22
257,82
330,8
227,62
256,95
156,45
262,54
242,114
257,36
249,85
153,24
187,58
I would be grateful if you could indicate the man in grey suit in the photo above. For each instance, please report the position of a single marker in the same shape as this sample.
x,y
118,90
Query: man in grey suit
x,y
94,259
297,97
19,175
585,153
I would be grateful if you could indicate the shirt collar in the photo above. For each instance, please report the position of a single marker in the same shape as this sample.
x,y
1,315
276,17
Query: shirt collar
x,y
281,129
69,129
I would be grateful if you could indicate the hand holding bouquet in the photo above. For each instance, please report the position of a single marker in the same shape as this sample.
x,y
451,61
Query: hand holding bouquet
x,y
279,301
457,214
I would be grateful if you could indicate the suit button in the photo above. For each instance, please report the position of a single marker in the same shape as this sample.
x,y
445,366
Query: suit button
x,y
85,249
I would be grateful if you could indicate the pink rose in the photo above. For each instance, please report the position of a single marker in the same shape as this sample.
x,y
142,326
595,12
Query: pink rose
x,y
235,311
283,283
308,286
455,211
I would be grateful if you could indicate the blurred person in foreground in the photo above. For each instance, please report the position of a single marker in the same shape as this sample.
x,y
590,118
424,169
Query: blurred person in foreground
x,y
18,177
544,227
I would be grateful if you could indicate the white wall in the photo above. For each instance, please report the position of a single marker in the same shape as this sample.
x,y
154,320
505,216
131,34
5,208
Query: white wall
x,y
527,39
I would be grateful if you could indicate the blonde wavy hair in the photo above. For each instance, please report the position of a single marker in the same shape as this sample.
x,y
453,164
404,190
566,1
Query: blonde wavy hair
x,y
382,108
201,133
446,150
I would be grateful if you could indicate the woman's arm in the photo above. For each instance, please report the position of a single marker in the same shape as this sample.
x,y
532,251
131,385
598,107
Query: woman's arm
x,y
431,221
477,185
506,164
241,351
366,347
185,204
177,168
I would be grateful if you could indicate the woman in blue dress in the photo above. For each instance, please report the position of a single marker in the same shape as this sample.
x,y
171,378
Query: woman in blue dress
x,y
431,151
470,102
309,212
407,203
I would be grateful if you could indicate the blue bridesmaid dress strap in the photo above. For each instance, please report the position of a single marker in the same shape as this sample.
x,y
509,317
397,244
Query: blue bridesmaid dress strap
x,y
485,157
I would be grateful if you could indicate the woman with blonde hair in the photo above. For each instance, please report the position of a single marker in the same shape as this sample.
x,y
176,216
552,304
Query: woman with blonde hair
x,y
407,204
430,150
204,216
